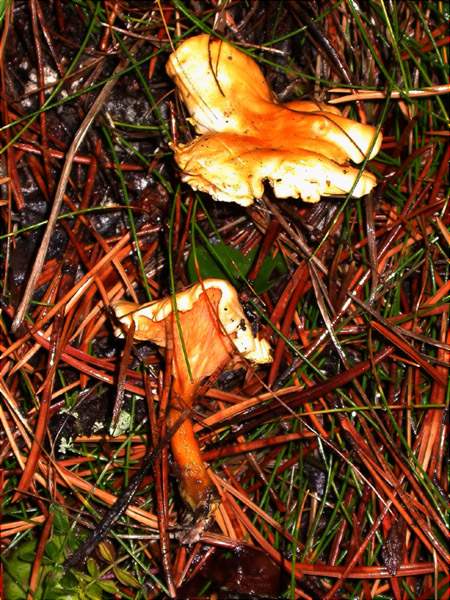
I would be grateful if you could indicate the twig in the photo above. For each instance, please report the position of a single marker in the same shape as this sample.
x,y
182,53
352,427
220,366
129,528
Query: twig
x,y
436,90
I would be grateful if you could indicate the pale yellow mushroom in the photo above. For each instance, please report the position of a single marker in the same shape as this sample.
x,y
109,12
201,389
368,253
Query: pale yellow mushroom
x,y
213,329
302,148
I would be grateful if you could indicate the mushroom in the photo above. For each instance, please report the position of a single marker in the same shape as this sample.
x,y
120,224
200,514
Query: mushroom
x,y
208,327
246,137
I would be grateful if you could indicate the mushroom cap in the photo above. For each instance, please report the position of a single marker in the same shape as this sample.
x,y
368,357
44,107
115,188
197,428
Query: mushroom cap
x,y
246,132
224,315
213,78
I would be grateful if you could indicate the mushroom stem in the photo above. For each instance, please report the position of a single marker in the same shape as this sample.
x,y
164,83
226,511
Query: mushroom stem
x,y
206,350
196,487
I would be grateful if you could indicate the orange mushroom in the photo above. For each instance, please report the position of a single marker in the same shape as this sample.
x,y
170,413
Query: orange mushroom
x,y
207,329
246,137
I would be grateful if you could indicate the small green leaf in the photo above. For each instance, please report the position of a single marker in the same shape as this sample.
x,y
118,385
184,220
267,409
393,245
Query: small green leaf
x,y
17,574
69,580
82,578
26,556
126,578
106,551
53,590
92,568
108,586
60,519
61,594
94,592
26,551
14,586
221,261
271,265
53,550
225,262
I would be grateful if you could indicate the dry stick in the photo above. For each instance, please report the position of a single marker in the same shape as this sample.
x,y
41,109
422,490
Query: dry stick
x,y
372,244
120,394
435,90
37,562
59,196
161,470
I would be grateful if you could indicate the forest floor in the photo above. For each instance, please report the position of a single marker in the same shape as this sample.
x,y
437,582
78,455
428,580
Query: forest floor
x,y
330,462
